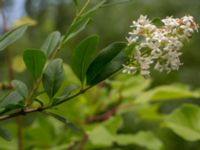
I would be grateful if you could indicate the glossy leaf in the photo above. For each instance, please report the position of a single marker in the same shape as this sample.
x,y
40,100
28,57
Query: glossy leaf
x,y
5,134
11,36
108,61
35,61
53,77
51,43
76,28
14,98
83,56
114,66
65,121
185,122
20,87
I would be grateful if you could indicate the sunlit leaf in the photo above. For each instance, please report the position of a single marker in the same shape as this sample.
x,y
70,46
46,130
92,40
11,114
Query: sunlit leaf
x,y
185,122
113,124
100,136
143,138
18,64
25,21
169,92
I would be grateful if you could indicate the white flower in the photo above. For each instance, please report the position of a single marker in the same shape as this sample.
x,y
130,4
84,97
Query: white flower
x,y
161,46
170,22
129,69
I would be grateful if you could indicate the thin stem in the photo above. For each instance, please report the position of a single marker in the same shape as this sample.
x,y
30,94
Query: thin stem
x,y
24,112
19,120
81,11
35,88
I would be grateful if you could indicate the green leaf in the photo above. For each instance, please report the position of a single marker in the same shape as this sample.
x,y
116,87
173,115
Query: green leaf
x,y
113,124
94,8
11,36
83,56
35,61
100,136
66,92
51,43
185,122
5,134
53,77
81,22
20,87
143,138
108,61
76,28
14,98
65,121
129,49
115,2
114,66
158,22
166,92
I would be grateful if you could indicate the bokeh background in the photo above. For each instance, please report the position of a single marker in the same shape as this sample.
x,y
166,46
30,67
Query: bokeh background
x,y
112,24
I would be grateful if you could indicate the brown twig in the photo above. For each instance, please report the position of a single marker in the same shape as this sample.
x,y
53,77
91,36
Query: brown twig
x,y
24,112
5,86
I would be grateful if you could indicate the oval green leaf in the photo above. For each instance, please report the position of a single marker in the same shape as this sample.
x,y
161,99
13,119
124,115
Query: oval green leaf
x,y
185,121
53,77
83,56
20,87
106,63
13,99
35,61
51,43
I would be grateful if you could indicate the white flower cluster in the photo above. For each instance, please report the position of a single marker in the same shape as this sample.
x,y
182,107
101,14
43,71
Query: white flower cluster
x,y
158,47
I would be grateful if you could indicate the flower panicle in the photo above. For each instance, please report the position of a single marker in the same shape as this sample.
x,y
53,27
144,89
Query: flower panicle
x,y
160,49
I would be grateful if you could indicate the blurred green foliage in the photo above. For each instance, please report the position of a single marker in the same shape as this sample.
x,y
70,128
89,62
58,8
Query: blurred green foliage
x,y
124,113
